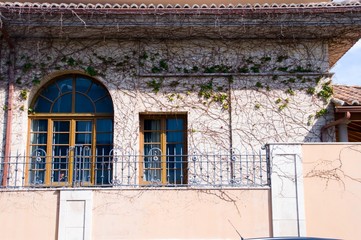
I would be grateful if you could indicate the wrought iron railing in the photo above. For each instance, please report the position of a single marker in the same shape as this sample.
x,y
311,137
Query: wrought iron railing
x,y
125,169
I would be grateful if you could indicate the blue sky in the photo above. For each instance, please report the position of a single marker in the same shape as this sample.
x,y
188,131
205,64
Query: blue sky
x,y
348,69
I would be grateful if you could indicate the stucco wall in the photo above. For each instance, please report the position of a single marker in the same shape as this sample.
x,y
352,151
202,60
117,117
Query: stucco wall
x,y
141,214
180,214
332,183
28,215
248,92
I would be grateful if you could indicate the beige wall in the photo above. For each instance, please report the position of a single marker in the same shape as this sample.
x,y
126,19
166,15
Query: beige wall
x,y
180,214
332,190
142,214
28,215
332,195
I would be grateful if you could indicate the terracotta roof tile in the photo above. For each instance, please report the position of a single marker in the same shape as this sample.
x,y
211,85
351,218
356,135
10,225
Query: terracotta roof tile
x,y
347,95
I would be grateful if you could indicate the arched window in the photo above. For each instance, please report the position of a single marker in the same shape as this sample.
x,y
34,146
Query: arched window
x,y
71,133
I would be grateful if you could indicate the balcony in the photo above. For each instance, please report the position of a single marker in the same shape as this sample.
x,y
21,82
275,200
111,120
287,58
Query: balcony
x,y
118,169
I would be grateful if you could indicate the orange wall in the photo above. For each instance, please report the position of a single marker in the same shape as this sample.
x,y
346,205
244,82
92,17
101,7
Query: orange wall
x,y
332,183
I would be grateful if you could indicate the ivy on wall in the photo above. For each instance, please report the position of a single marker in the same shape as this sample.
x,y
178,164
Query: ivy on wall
x,y
180,80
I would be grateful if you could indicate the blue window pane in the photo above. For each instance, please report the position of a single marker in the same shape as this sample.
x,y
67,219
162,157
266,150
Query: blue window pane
x,y
84,126
38,138
152,149
61,138
175,136
60,151
104,165
151,124
82,84
39,125
96,92
38,151
103,150
61,126
174,124
104,105
63,104
104,138
83,104
51,92
151,137
83,138
104,125
60,172
90,97
65,85
42,105
175,149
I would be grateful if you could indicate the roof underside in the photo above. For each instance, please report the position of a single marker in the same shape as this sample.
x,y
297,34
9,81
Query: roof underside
x,y
339,24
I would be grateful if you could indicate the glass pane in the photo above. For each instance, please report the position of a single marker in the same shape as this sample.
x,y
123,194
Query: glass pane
x,y
104,165
82,169
39,125
152,149
104,125
103,150
104,138
65,85
96,91
60,170
60,150
82,151
174,124
84,126
37,175
175,164
83,104
51,92
150,124
38,138
60,175
63,104
38,151
82,84
42,105
174,149
153,174
152,137
175,136
61,126
83,138
60,163
104,105
61,138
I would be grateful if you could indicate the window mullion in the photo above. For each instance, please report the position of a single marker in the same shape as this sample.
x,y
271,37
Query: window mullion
x,y
49,152
163,142
71,152
93,152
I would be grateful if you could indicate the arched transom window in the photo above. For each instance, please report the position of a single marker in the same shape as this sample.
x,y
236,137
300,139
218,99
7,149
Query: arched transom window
x,y
71,133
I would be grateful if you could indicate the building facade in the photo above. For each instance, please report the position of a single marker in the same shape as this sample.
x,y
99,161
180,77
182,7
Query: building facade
x,y
173,99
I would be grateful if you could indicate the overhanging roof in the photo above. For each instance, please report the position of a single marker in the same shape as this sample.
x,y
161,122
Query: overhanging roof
x,y
338,24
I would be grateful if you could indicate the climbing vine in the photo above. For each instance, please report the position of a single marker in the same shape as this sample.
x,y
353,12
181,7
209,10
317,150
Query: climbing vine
x,y
255,93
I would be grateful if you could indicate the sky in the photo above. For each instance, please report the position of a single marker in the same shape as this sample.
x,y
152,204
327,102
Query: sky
x,y
348,69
